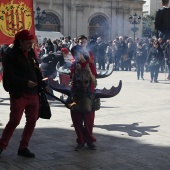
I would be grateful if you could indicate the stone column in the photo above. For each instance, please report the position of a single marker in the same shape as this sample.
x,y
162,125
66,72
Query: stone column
x,y
79,21
119,21
127,25
73,21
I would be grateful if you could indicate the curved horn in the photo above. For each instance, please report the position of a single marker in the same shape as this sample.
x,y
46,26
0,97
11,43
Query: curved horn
x,y
103,74
107,93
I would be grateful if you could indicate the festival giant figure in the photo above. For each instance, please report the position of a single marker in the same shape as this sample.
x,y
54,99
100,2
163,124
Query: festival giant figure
x,y
83,98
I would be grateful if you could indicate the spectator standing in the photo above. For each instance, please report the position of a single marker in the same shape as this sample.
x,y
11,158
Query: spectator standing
x,y
73,43
154,60
140,60
21,78
130,52
101,53
92,46
49,46
109,54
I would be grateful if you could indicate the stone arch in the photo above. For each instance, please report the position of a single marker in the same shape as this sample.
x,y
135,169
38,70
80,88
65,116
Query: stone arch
x,y
99,26
51,22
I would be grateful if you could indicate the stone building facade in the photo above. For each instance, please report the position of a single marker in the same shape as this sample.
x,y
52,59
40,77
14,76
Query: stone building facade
x,y
151,6
106,18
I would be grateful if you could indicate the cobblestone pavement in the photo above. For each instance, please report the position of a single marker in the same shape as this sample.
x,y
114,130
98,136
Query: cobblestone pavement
x,y
132,131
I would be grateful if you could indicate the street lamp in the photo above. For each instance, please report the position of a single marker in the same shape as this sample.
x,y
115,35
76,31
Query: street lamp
x,y
39,17
134,20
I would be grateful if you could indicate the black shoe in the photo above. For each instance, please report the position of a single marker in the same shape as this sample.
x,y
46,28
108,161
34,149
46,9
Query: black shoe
x,y
79,147
156,81
91,146
26,153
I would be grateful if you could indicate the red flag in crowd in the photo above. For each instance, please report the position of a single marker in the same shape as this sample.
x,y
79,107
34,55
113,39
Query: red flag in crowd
x,y
15,15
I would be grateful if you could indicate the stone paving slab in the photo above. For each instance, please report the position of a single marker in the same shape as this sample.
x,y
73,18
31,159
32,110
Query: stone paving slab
x,y
132,131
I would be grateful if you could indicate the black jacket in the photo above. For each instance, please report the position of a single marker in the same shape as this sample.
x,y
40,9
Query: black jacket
x,y
162,22
155,57
140,56
18,70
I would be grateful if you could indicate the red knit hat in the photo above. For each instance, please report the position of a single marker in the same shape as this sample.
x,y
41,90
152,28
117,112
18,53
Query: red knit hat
x,y
65,50
24,35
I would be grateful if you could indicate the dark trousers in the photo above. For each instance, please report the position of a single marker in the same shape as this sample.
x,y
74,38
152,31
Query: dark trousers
x,y
101,62
29,103
84,132
140,70
169,70
127,65
117,61
154,70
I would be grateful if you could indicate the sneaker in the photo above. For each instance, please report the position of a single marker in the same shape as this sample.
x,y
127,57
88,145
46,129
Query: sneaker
x,y
26,153
91,146
151,81
143,78
79,147
156,81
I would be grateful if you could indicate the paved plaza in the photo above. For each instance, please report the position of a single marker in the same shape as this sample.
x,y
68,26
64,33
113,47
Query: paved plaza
x,y
132,131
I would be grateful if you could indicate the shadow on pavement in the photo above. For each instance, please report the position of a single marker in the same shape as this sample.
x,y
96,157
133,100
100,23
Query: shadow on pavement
x,y
133,130
54,149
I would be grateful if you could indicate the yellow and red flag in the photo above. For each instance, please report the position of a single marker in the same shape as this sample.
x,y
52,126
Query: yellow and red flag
x,y
15,15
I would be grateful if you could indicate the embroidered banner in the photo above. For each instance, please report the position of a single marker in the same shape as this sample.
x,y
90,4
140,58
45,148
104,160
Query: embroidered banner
x,y
15,15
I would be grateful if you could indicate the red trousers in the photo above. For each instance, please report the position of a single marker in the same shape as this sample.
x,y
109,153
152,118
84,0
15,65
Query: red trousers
x,y
84,132
29,103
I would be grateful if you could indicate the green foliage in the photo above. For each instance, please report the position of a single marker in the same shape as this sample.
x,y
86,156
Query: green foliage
x,y
148,28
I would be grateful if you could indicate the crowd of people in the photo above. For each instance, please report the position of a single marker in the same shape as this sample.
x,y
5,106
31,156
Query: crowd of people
x,y
122,52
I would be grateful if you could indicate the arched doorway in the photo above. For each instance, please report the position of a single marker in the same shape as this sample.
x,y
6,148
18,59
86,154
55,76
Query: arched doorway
x,y
50,23
99,26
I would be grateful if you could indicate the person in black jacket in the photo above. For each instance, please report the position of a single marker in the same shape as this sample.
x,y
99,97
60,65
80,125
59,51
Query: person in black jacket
x,y
140,60
162,20
101,53
21,79
154,61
